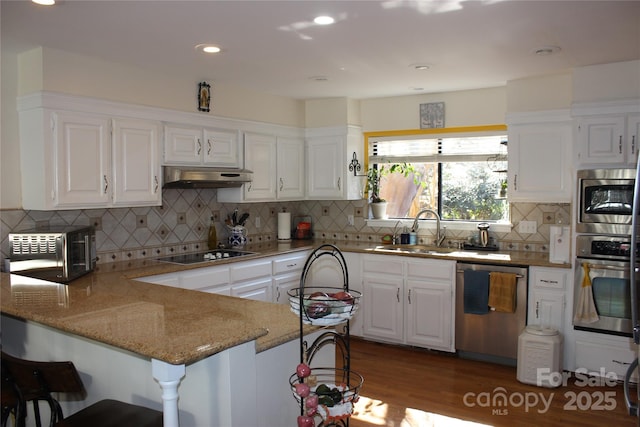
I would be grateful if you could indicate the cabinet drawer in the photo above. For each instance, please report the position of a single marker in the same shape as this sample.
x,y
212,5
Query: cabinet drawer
x,y
168,279
433,269
597,356
382,264
289,263
200,278
243,271
549,278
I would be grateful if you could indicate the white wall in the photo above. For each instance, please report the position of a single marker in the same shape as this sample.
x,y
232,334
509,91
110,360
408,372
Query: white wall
x,y
10,197
553,92
462,108
607,82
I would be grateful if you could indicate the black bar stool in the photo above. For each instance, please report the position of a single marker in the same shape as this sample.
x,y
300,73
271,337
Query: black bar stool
x,y
31,381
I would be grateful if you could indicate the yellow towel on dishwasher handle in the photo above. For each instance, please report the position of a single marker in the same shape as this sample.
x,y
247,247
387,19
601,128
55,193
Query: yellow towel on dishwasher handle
x,y
502,291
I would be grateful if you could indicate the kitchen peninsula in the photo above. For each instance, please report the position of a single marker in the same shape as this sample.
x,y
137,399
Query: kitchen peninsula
x,y
223,361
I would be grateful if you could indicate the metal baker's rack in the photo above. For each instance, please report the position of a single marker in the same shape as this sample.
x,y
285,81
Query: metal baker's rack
x,y
332,391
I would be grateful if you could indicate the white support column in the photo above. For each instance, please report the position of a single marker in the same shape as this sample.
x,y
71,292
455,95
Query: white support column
x,y
168,376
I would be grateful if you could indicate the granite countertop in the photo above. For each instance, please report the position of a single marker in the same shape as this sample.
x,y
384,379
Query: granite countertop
x,y
175,325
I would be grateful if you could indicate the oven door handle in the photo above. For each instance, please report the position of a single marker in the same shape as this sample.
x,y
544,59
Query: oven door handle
x,y
606,267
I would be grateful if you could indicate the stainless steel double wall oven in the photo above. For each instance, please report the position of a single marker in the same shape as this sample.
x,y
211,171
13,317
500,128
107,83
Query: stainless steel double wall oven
x,y
603,245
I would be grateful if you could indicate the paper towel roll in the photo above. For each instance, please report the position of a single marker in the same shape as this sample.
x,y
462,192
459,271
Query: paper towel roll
x,y
284,225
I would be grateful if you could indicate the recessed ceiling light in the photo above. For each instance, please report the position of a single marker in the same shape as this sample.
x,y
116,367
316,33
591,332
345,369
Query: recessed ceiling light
x,y
45,2
546,50
324,20
208,48
420,66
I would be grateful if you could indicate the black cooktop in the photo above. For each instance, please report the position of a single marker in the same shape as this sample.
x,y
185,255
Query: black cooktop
x,y
207,256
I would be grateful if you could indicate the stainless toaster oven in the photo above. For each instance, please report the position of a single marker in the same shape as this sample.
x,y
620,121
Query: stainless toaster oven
x,y
57,254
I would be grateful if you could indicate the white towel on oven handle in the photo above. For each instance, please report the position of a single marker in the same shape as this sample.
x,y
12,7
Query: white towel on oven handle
x,y
586,311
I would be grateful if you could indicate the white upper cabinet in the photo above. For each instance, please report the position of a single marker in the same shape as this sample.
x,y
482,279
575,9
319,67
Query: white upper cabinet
x,y
600,140
259,157
607,134
277,163
328,175
186,145
76,160
540,166
290,169
136,162
82,167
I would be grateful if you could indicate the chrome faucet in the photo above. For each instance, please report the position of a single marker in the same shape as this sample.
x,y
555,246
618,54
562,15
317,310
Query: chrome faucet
x,y
440,234
394,237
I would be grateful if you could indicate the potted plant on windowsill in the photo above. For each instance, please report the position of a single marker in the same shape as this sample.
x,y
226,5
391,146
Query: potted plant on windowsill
x,y
374,177
502,193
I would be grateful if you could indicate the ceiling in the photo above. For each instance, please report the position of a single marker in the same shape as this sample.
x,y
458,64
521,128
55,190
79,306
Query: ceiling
x,y
370,51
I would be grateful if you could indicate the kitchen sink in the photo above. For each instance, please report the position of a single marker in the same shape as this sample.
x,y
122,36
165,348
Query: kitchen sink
x,y
444,252
414,249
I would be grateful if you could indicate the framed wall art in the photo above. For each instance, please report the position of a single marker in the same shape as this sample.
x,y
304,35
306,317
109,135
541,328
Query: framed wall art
x,y
432,115
204,96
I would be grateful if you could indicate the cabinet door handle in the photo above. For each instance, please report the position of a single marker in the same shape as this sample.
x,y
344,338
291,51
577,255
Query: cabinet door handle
x,y
620,145
339,189
208,147
515,181
155,180
199,146
106,183
249,189
291,265
281,184
409,296
555,282
278,294
398,294
537,309
620,363
633,144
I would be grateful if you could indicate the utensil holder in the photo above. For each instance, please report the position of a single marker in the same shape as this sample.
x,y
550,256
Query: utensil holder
x,y
237,236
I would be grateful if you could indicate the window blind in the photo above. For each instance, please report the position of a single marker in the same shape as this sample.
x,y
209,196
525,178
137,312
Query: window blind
x,y
438,150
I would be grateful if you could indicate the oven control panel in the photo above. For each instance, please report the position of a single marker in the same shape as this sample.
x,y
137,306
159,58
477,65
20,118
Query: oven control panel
x,y
603,246
615,248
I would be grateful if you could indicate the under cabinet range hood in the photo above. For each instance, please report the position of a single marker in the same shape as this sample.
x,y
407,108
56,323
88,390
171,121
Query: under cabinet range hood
x,y
203,177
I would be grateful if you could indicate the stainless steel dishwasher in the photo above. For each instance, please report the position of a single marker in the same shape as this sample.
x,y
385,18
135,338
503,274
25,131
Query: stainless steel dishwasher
x,y
493,336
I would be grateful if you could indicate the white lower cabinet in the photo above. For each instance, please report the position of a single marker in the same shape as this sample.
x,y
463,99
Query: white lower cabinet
x,y
409,301
168,279
214,280
259,290
287,270
604,355
430,316
547,300
251,279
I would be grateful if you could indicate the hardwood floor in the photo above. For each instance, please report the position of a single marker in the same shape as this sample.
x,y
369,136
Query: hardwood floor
x,y
405,387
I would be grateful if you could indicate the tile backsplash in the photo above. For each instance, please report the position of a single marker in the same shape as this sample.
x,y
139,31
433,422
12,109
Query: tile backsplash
x,y
181,224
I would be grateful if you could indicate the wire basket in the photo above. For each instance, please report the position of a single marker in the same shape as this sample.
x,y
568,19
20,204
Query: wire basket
x,y
337,391
324,306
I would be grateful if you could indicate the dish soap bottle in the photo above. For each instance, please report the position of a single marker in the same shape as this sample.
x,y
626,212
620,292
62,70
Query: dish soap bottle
x,y
212,241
